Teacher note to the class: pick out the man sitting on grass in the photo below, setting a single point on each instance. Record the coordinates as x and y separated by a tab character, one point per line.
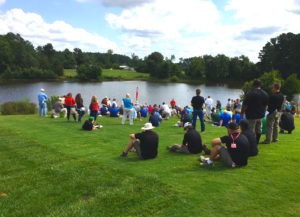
145	143
236	152
90	125
191	143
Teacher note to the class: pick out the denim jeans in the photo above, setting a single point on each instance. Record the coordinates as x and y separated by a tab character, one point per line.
80	114
198	113
43	109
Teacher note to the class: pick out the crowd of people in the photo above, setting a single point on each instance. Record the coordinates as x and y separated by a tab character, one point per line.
244	121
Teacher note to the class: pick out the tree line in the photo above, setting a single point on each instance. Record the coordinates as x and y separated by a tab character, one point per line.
20	60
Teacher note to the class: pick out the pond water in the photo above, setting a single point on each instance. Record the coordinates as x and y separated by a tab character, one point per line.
149	92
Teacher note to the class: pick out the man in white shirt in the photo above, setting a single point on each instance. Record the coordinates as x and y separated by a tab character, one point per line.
208	106
166	111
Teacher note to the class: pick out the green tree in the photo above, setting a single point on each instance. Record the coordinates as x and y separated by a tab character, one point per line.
86	72
196	68
291	86
154	63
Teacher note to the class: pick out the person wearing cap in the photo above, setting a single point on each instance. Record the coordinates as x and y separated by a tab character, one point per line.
236	150
192	142
42	97
254	106
128	109
145	143
90	125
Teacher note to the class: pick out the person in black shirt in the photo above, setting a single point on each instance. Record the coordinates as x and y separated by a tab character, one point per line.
253	150
236	152
197	103
274	109
90	125
254	105
191	143
145	143
287	122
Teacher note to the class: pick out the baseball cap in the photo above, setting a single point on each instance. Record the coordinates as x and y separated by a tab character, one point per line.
233	126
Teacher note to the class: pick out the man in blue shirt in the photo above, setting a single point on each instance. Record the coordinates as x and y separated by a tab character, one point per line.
225	118
42	97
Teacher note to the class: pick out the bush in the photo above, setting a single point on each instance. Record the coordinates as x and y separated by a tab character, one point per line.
18	108
51	101
86	72
174	78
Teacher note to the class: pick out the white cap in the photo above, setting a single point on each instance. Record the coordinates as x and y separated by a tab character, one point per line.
187	124
42	90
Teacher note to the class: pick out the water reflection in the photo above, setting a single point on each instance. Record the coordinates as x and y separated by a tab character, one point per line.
148	91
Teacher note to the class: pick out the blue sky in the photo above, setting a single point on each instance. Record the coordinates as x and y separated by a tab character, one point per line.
183	28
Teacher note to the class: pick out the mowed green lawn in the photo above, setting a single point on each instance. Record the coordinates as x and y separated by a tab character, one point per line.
114	74
50	167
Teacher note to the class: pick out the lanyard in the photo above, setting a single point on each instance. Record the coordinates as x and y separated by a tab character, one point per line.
233	139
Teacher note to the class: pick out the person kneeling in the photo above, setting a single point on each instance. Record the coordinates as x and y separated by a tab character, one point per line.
236	152
145	143
90	125
191	143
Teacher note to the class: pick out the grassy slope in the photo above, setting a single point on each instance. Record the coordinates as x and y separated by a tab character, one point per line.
108	74
52	168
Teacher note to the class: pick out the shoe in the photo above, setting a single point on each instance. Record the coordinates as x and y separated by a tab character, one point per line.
204	161
290	132
123	154
281	131
275	140
265	142
206	150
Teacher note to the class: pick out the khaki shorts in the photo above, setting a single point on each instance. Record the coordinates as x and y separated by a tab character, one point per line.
137	146
255	125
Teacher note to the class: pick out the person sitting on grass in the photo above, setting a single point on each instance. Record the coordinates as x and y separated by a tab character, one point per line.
287	122
104	110
144	111
215	117
253	150
90	125
225	118
113	111
58	107
155	118
145	143
192	142
236	152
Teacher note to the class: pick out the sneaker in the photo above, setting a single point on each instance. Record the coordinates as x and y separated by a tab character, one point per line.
206	150
123	154
205	161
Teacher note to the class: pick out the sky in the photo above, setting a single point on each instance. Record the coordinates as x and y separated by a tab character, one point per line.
172	27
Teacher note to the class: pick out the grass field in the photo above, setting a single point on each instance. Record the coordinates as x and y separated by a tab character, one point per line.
114	74
49	167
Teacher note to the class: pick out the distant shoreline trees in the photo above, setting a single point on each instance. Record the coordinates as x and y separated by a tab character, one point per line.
20	60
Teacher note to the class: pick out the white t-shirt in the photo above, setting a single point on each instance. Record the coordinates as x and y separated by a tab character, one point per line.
166	108
209	102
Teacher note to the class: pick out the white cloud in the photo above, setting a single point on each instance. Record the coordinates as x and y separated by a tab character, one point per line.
62	35
118	3
195	27
2	2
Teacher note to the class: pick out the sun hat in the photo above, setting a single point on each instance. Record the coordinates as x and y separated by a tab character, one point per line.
147	126
187	124
233	126
42	90
91	118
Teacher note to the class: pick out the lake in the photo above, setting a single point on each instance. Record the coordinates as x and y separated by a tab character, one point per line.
148	91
